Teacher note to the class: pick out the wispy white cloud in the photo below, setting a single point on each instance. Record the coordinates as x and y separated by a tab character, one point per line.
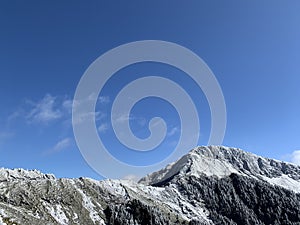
123	118
99	115
14	115
93	97
104	99
67	105
60	146
52	108
103	127
173	131
83	117
295	157
45	111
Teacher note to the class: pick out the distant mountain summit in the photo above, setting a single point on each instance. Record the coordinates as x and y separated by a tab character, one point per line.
209	185
220	162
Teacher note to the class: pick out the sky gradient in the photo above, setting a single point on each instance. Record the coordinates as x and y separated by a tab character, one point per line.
253	48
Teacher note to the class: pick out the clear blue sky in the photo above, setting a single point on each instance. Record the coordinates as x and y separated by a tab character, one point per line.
253	48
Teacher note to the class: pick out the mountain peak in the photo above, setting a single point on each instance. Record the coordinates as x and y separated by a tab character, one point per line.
210	185
221	161
22	174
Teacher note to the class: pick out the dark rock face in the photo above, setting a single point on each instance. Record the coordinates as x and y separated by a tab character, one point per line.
137	212
211	185
240	200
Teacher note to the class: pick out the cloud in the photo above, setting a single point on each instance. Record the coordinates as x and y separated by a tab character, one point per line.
173	131
104	99
295	157
88	116
122	118
67	105
93	97
48	109
15	115
60	145
103	128
45	111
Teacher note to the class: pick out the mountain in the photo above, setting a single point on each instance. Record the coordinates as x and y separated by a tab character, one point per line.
209	185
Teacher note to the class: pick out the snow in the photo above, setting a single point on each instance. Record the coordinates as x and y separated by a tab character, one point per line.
8	174
115	186
164	197
187	207
57	213
193	164
36	215
1	221
75	216
210	166
222	161
88	204
285	182
2	214
214	161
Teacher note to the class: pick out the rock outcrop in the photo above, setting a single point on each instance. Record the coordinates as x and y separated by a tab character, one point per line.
210	185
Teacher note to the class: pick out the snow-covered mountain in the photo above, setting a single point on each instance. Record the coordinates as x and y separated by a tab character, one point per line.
210	185
220	161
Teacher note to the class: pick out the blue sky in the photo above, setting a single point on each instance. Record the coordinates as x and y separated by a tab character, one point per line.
253	48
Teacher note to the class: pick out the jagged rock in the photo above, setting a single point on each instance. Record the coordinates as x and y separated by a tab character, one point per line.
210	185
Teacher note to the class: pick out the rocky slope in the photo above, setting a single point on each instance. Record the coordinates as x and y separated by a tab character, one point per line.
210	185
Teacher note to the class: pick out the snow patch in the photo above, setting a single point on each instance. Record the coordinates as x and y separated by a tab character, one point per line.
1	221
21	174
75	216
210	166
285	182
159	197
115	187
57	213
222	161
88	204
2	214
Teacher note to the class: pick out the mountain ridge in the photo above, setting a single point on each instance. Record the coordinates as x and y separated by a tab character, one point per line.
210	185
222	161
